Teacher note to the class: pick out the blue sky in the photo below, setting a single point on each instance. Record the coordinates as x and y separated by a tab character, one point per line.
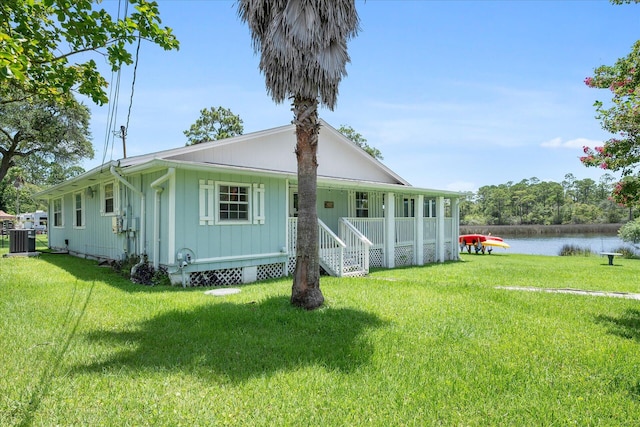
456	94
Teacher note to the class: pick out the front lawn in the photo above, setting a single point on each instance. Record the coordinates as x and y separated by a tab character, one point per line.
435	345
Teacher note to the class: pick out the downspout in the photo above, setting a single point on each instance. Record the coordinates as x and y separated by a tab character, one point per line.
156	214
143	247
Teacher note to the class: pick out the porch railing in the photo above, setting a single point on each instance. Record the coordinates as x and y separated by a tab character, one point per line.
349	257
405	230
372	228
356	260
331	249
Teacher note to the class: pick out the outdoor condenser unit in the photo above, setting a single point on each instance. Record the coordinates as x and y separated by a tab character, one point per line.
22	241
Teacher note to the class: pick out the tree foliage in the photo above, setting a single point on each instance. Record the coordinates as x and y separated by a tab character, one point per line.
360	141
531	201
303	56
214	124
40	38
44	138
630	232
620	117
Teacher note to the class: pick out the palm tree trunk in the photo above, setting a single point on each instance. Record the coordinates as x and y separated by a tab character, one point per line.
306	279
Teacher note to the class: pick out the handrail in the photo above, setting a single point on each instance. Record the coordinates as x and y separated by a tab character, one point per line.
338	240
357	232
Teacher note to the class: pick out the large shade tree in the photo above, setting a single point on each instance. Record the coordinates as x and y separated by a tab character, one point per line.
43	137
48	47
303	56
620	117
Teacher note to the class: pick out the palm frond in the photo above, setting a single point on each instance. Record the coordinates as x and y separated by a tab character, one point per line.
303	44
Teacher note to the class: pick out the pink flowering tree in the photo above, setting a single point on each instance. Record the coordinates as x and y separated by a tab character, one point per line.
620	117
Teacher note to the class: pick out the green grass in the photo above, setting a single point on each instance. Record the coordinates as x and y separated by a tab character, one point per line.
436	345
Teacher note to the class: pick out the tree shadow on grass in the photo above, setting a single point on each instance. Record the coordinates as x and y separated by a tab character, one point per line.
90	271
625	326
242	341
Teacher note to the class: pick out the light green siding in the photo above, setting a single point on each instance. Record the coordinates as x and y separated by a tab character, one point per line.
331	215
95	238
232	241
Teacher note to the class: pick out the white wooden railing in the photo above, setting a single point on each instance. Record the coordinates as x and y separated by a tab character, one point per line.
348	253
337	257
429	230
405	230
357	249
331	249
371	228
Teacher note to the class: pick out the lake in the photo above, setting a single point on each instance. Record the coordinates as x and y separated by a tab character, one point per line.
551	245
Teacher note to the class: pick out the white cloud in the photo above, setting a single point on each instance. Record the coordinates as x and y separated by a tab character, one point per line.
572	143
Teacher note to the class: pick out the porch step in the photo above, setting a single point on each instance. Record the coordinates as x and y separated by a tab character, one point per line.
351	266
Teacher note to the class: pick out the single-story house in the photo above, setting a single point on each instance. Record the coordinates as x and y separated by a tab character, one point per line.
224	212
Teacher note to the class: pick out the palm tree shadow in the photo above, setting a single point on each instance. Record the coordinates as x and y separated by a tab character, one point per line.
242	341
625	326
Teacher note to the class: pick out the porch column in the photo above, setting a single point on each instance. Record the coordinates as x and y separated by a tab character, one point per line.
419	238
440	229
287	232
390	231
455	228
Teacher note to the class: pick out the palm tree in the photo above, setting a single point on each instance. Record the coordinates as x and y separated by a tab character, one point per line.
303	56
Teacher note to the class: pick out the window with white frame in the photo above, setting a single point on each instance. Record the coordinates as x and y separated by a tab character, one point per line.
409	207
78	210
429	208
231	203
58	213
362	204
109	198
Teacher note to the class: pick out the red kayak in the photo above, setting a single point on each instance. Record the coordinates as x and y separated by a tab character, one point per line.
470	239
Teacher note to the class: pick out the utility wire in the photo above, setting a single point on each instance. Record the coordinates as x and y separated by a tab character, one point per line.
133	82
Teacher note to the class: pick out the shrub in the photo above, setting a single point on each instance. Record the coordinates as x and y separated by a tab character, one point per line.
574	250
630	232
144	274
626	252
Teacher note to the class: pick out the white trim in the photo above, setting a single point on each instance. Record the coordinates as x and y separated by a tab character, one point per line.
390	230
217	219
258	204
116	198
82	210
172	218
419	233
335	183
440	252
53	220
206	202
239	257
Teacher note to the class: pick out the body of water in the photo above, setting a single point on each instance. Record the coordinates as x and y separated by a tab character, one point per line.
551	245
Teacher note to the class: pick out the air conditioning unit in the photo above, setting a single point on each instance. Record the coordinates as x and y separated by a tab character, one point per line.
21	241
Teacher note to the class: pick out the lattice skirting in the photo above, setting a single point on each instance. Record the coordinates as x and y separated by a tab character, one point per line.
448	254
404	255
229	276
234	276
429	253
270	271
376	257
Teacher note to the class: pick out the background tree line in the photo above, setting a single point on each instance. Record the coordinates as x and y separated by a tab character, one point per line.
536	202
